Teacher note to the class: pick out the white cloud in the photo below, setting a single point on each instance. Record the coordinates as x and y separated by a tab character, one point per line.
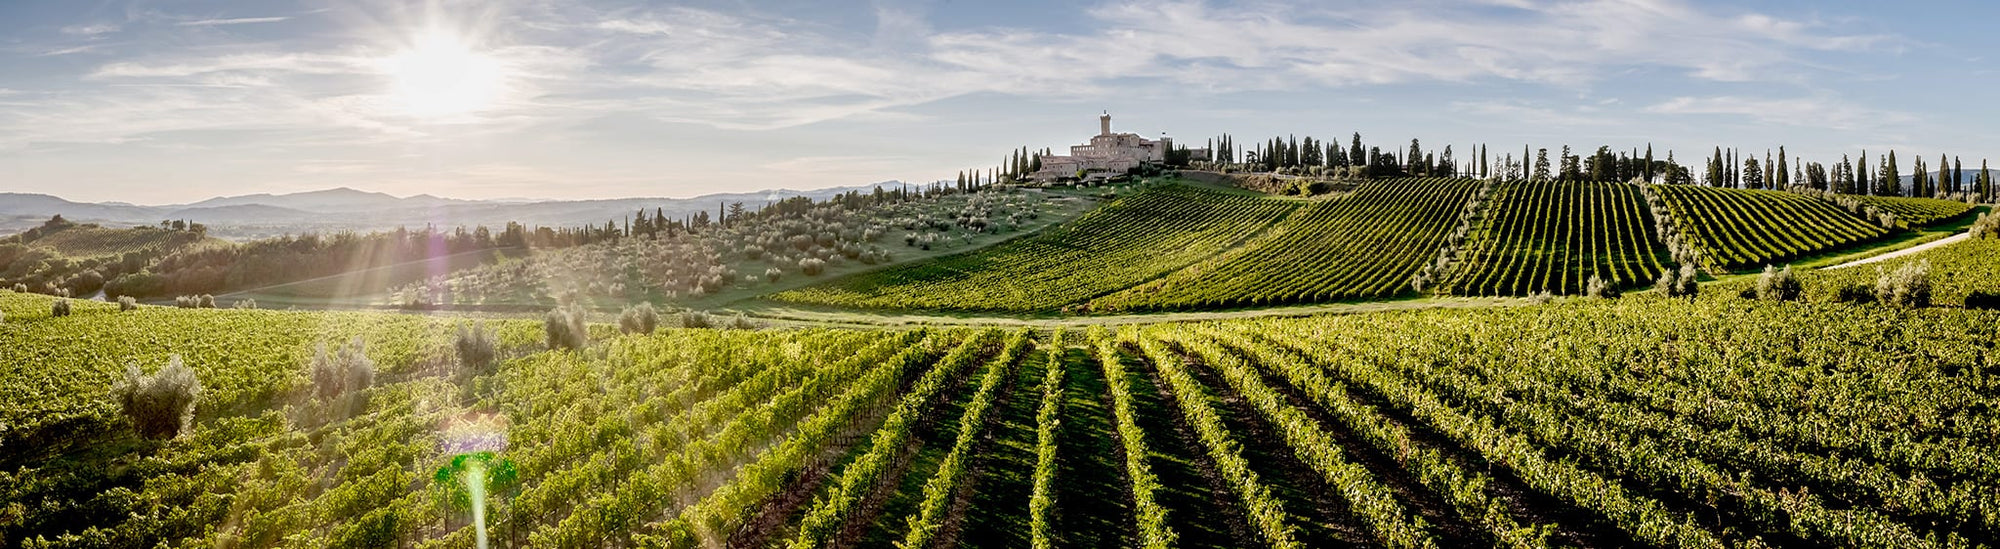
737	71
302	63
1813	111
91	29
69	50
1521	112
747	71
235	21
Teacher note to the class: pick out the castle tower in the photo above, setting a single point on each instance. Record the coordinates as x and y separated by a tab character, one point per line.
1104	124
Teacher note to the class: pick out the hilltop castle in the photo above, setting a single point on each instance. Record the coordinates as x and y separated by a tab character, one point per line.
1106	153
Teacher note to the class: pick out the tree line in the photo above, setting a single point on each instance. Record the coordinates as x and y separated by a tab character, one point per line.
1731	168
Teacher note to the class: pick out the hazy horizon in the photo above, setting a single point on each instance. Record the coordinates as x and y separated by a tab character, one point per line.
175	102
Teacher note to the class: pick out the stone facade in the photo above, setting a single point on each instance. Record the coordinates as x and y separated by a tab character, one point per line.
1106	153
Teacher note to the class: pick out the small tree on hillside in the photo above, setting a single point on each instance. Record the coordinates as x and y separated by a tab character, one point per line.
1907	286
639	319
341	378
565	328
476	351
161	405
1598	287
1778	284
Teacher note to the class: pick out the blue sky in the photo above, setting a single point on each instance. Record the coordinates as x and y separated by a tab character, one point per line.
174	101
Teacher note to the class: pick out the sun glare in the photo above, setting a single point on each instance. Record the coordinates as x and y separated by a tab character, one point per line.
440	75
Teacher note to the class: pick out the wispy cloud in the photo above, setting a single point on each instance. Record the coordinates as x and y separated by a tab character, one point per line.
1523	112
766	73
69	50
574	65
234	21
1812	111
304	63
91	29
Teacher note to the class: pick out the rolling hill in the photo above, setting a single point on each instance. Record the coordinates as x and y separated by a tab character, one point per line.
1178	247
345	209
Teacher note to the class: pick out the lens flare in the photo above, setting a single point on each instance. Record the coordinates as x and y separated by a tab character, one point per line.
440	74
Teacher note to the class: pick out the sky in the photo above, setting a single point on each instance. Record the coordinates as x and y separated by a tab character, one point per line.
159	102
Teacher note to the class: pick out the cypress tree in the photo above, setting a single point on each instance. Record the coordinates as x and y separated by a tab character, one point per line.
1985	182
1957	176
1485	170
1785	175
1936	182
1647	170
1865	184
1892	177
1734	181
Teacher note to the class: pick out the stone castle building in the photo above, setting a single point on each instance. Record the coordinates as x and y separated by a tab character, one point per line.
1106	153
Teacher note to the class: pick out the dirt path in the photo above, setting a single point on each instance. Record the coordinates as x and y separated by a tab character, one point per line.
1946	241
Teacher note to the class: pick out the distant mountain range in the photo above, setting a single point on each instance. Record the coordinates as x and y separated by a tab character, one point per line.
262	215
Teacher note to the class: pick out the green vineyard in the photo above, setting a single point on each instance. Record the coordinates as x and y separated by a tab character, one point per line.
1119	245
1738	229
1915	212
1554	236
1608	423
1362	245
1176	247
1954	272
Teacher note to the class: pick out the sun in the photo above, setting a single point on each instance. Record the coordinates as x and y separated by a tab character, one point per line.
439	75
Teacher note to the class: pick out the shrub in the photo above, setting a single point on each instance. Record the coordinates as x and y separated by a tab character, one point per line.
245	304
1778	284
1980	299
160	406
741	322
127	303
640	319
1988	225
60	308
1858	293
1542	298
1600	288
1687	283
346	371
20	288
476	351
772	274
205	302
696	319
812	266
565	328
1907	286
